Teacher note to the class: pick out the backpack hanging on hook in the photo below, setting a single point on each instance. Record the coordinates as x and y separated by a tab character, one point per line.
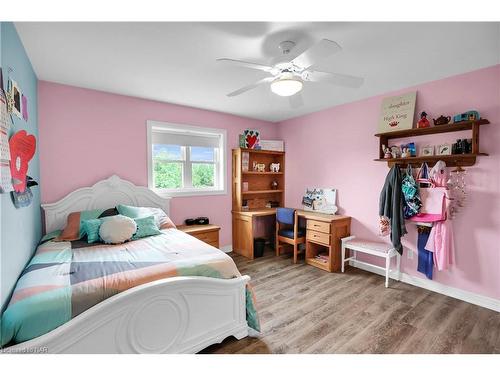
433	198
410	191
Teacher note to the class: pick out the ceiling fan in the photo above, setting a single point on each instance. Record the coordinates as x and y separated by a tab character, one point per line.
288	77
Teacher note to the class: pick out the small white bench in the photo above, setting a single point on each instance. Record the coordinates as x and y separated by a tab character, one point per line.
378	249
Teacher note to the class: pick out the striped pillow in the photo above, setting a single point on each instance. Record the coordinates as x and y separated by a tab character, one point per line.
91	229
74	229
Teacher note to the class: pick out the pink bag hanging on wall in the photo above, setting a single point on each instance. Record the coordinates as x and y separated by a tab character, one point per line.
433	205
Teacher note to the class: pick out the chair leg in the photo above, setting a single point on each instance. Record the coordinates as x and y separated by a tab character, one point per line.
387	267
295	252
277	244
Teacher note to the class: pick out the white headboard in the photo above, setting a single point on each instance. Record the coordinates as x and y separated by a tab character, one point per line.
104	194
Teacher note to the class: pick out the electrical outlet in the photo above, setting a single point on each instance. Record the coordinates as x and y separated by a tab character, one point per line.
410	254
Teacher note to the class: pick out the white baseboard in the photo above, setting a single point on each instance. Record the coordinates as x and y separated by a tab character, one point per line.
476	299
227	248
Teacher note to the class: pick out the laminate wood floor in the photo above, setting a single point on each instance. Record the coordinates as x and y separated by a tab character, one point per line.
306	310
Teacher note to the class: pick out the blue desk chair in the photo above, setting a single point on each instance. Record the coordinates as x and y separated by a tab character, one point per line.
288	231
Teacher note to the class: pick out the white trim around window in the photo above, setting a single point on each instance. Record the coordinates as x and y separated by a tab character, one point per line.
187	135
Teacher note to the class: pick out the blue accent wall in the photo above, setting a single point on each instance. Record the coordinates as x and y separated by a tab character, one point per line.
20	229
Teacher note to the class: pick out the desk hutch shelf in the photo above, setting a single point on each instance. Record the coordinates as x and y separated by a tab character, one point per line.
250	204
463	160
259	191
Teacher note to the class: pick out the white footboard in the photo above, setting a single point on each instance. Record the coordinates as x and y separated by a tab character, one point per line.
175	315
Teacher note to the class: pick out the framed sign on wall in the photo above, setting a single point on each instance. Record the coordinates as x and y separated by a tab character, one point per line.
397	113
321	200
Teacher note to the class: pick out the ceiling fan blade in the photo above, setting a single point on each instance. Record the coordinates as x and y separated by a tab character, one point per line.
246	64
250	87
335	79
296	100
317	52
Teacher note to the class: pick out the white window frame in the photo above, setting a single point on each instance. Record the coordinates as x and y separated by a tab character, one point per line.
220	165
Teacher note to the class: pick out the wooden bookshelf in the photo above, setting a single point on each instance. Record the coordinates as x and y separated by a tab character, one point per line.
259	193
463	160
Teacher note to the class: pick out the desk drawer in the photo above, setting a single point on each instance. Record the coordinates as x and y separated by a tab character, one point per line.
318	237
319	226
212	236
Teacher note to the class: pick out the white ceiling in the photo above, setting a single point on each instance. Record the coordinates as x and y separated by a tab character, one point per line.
175	62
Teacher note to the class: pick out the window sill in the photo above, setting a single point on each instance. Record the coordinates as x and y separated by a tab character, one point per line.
187	193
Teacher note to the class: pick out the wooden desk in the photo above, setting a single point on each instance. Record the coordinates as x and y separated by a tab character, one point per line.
243	229
323	235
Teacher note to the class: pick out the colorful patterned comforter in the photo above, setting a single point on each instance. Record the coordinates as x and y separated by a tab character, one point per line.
64	279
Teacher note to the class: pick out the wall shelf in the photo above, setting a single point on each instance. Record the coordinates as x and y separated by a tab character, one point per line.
437	129
463	160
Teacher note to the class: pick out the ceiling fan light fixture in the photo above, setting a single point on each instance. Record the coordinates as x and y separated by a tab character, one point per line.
286	86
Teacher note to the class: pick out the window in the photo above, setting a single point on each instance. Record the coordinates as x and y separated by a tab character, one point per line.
186	160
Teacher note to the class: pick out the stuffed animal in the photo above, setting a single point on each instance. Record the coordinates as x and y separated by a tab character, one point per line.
259	167
274	167
387	152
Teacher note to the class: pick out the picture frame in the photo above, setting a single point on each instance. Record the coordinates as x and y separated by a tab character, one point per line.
444	149
395	151
427	151
397	112
320	200
17	99
252	138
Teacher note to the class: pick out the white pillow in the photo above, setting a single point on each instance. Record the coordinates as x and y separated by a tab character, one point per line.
117	229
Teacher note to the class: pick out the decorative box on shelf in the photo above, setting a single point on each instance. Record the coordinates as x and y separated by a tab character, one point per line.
272	145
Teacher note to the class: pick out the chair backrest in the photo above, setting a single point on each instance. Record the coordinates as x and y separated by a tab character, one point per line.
285	215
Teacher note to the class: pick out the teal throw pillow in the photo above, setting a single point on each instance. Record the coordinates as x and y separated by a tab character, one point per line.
91	229
146	226
130	211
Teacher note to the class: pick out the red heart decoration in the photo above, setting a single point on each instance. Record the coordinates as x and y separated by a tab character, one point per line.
22	148
251	140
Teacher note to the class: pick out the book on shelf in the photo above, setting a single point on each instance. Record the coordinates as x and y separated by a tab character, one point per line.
324	258
245	161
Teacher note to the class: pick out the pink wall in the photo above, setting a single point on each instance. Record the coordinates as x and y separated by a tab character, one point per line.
87	135
336	148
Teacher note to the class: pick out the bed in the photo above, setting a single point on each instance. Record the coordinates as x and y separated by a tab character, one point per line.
168	314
